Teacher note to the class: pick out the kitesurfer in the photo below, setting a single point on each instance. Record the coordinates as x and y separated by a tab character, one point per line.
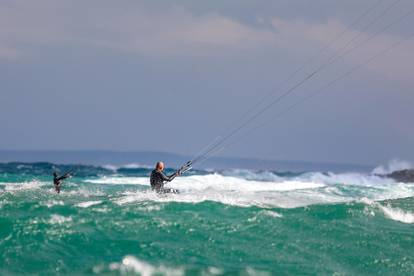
57	180
158	178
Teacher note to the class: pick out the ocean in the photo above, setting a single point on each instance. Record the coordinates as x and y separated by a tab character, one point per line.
107	221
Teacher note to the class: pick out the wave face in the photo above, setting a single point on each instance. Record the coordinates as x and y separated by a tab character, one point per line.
107	220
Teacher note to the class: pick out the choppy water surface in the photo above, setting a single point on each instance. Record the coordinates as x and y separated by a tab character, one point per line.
107	221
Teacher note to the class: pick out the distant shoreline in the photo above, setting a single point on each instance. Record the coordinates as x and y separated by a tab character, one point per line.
148	158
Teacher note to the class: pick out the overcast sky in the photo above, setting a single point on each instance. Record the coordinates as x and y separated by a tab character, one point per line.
173	75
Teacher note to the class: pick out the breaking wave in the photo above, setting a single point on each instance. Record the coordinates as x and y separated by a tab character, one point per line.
390	212
237	187
393	165
265	189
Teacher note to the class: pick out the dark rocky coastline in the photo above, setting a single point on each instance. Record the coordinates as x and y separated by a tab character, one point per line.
406	176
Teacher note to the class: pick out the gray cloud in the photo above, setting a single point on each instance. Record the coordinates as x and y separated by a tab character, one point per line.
177	31
173	32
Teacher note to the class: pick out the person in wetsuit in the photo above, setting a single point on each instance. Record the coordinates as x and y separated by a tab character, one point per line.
158	178
57	180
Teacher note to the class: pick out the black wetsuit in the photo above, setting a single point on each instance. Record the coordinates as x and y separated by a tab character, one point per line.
57	180
157	181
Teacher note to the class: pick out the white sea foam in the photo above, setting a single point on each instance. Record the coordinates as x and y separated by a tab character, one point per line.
270	214
119	180
214	181
242	188
289	199
355	179
135	166
397	214
126	166
390	212
110	167
213	271
58	219
130	264
265	213
30	185
219	188
87	204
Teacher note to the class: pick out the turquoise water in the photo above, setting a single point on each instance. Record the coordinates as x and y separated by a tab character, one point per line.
237	222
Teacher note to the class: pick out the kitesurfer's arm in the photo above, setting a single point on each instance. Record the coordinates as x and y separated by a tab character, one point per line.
177	173
168	178
66	175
